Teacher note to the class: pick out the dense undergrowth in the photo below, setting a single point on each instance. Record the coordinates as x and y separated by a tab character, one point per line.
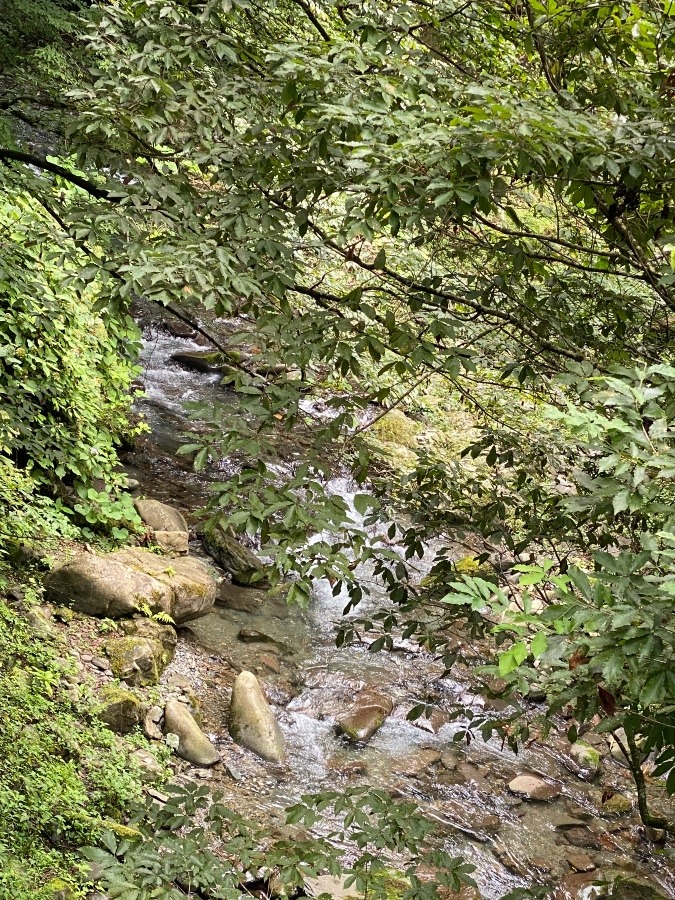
63	772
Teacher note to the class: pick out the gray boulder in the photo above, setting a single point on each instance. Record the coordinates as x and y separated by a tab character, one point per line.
242	564
367	716
168	528
160	517
193	744
104	586
251	720
121	583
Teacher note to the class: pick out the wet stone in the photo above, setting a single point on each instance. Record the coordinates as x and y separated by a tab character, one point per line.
582	837
367	716
580	862
415	764
533	788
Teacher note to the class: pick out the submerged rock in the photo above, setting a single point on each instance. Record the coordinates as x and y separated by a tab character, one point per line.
251	720
242	564
417	762
368	715
533	788
583	837
121	583
193	744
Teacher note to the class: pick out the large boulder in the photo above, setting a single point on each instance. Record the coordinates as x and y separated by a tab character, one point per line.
193	744
193	587
121	583
104	586
242	564
251	720
366	717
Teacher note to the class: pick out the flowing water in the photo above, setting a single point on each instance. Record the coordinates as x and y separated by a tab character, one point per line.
311	682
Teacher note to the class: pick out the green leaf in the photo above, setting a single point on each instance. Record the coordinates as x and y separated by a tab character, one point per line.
539	644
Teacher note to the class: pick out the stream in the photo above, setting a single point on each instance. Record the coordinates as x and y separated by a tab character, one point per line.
310	682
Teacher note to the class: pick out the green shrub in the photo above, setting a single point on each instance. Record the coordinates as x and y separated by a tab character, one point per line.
62	773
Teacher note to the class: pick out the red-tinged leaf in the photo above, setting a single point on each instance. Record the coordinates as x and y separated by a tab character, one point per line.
607	701
578	658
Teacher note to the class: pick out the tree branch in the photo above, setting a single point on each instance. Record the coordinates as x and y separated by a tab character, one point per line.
39	162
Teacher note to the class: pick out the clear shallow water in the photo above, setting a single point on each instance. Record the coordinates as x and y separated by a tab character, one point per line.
317	682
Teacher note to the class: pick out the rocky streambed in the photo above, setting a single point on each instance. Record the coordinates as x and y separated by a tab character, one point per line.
547	815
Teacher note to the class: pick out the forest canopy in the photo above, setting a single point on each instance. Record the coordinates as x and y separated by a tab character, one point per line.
421	206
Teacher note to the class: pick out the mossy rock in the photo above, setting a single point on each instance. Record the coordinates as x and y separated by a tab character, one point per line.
626	887
137	660
396	428
199	360
124	832
617	805
469	565
242	564
58	889
585	756
121	710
